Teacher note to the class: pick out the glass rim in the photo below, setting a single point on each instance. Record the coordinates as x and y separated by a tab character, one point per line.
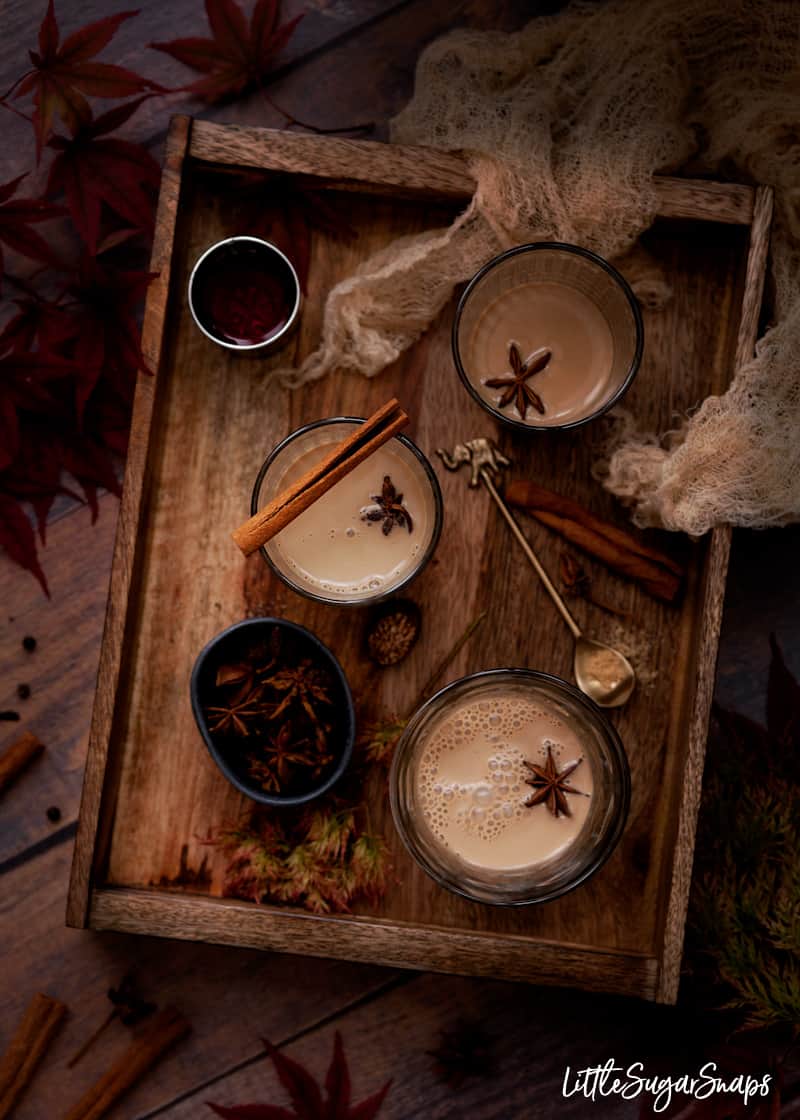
292	272
438	520
617	755
625	288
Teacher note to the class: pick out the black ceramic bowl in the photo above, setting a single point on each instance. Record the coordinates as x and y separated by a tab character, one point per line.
229	756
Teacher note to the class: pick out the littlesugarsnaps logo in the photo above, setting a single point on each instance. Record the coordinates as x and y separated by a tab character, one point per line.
610	1080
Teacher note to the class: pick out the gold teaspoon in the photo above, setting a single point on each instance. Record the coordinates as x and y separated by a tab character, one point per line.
601	672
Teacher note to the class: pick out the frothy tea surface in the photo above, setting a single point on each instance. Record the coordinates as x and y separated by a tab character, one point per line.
540	317
333	550
470	782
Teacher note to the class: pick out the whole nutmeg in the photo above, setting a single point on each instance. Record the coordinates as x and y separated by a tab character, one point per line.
392	631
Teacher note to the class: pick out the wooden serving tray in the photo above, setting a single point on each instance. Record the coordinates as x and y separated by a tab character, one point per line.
202	426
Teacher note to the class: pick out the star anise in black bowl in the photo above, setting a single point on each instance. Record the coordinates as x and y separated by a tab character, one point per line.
275	710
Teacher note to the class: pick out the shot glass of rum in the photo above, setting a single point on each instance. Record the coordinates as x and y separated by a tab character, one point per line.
244	295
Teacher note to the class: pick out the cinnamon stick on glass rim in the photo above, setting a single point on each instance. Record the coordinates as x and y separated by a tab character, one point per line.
358	446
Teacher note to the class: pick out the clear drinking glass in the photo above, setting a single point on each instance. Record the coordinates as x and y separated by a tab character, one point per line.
275	473
544	880
552	267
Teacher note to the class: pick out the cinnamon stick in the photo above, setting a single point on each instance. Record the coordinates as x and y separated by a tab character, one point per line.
19	755
27	1047
624	553
168	1027
358	446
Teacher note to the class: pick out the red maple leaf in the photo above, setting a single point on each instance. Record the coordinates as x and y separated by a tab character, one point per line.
93	172
103	336
238	56
37	318
16	217
35	475
306	1095
18	540
64	72
23	387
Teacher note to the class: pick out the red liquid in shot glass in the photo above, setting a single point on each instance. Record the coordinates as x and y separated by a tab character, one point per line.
244	294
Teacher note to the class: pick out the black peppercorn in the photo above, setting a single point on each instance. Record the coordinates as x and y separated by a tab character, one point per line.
54	814
29	643
23	691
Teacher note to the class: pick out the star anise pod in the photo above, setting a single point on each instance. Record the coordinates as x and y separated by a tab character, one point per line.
237	679
578	582
303	684
551	786
274	769
464	1051
515	383
234	715
127	1005
388	507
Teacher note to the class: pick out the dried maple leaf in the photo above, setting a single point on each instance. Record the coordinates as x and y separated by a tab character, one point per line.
238	56
93	170
17	215
306	1095
65	73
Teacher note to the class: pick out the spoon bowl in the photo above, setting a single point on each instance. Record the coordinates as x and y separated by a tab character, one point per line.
603	673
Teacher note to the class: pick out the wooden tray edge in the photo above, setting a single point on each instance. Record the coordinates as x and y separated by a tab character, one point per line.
425	171
111	648
386	943
717	569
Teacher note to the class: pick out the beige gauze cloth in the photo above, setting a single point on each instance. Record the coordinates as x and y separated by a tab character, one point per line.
564	124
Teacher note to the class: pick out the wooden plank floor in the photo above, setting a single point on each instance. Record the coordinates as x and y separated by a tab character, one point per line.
350	60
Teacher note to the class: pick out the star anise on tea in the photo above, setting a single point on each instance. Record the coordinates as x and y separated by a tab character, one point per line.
388	507
515	383
303	684
550	785
274	766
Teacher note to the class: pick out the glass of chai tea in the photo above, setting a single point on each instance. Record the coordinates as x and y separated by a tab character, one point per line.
369	535
510	787
547	335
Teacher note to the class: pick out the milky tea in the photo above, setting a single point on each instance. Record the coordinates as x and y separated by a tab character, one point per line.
338	549
471	789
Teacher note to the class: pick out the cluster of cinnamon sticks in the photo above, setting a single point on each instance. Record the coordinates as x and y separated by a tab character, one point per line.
358	446
27	1048
38	1029
620	551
